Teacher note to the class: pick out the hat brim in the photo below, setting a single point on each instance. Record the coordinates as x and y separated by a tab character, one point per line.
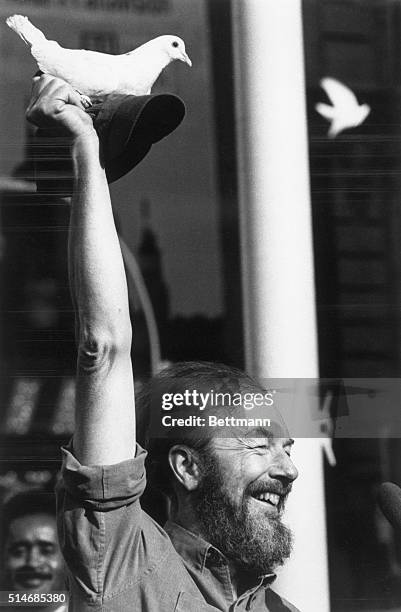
129	125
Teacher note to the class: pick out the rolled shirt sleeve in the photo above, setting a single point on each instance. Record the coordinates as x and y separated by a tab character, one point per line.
107	487
100	525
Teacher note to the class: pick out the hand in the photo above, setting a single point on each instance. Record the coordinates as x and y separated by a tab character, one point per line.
55	104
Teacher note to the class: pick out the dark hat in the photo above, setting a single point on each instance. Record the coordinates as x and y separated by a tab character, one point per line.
127	127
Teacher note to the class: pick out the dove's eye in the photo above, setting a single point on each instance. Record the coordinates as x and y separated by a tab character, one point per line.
175	44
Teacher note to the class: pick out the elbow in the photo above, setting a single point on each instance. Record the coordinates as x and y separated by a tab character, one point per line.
99	350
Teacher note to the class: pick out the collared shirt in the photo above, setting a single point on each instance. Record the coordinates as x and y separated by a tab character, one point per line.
121	560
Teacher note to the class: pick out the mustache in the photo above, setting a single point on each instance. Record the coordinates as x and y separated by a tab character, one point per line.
27	572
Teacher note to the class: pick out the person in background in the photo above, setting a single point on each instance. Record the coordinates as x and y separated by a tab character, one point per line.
32	563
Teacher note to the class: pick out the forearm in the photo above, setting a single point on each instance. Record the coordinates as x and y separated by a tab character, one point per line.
104	413
96	267
105	424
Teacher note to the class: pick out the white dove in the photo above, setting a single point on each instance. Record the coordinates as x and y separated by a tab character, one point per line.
346	112
96	75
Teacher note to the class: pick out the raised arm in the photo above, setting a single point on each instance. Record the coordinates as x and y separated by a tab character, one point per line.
105	415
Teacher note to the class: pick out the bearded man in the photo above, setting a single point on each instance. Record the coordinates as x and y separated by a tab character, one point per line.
225	535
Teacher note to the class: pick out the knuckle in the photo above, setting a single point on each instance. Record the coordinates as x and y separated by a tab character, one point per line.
47	78
36	114
31	113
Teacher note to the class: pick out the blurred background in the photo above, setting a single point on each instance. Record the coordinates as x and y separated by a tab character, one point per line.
178	213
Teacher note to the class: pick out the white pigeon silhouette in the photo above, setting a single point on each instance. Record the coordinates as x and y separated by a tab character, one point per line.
346	112
96	75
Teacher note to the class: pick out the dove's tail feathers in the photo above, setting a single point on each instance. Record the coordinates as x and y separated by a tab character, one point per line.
25	29
333	131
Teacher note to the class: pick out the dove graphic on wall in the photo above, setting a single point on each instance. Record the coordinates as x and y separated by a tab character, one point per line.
345	112
96	75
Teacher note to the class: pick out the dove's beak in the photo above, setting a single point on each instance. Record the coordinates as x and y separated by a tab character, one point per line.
186	59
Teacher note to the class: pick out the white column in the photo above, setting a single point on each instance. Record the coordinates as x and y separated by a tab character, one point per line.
277	256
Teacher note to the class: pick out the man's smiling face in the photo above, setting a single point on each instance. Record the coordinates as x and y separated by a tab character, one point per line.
241	498
33	560
257	471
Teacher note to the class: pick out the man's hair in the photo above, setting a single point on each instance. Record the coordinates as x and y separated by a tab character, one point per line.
177	378
25	504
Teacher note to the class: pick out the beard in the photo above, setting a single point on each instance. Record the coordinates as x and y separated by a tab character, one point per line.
256	543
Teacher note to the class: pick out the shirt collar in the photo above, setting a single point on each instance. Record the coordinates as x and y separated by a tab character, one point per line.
199	553
191	547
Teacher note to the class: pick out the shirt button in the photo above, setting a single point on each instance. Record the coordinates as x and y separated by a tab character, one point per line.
214	556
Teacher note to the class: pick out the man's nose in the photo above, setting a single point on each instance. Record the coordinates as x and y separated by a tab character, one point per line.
33	558
282	468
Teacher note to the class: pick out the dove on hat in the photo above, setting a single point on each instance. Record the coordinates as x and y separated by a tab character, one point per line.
345	112
94	74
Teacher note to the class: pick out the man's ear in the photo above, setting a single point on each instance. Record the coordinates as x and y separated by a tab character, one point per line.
183	462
